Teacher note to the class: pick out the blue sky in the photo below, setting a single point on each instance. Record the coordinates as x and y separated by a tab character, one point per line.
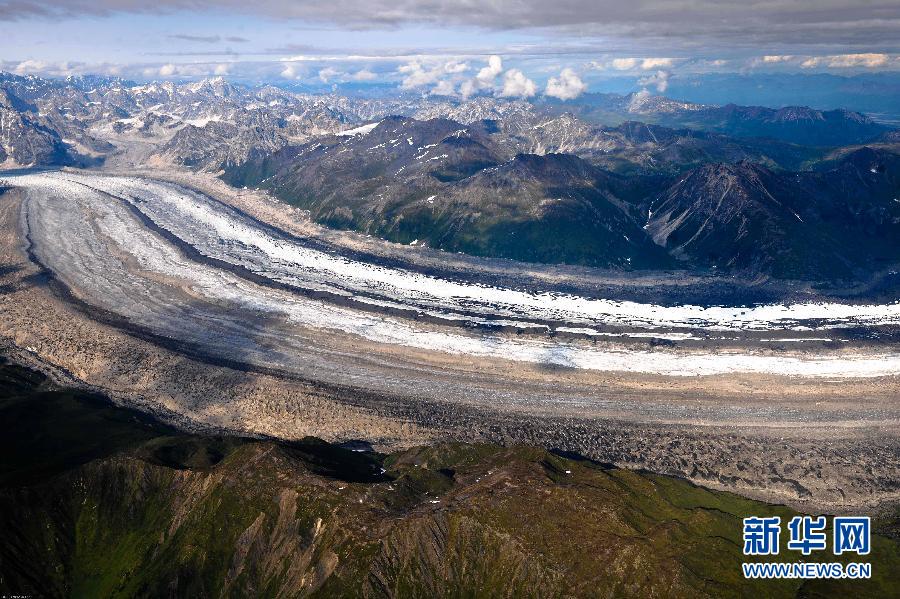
445	45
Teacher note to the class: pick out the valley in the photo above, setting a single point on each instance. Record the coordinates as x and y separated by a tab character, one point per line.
656	298
449	299
396	348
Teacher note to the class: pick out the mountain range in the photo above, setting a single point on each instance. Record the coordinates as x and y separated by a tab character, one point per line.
26	138
461	188
93	114
616	181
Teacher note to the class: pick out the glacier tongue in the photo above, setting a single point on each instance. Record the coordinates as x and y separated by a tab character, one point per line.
85	230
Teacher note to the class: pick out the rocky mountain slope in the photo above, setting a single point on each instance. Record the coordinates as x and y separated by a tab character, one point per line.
451	186
462	188
25	138
221	122
639	148
144	510
839	223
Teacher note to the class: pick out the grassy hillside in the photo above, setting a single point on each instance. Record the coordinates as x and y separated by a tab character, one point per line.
149	511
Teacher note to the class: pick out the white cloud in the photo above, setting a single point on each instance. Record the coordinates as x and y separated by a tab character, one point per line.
193	70
638	99
444	88
485	79
660	80
328	73
567	86
363	75
517	85
65	68
30	66
649	64
858	60
416	74
645	64
291	71
454	67
842	61
488	74
624	64
467	88
776	58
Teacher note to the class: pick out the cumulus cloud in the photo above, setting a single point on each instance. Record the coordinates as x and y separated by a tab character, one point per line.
485	79
858	60
517	85
639	98
291	71
417	74
567	86
30	66
454	67
59	69
328	73
660	80
649	64
624	64
188	71
444	88
467	88
449	78
363	75
488	74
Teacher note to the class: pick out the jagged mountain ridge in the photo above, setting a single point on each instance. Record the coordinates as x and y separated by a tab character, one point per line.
450	186
457	188
840	223
25	138
634	147
96	115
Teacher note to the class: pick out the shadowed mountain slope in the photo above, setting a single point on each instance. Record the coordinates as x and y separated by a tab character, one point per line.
839	223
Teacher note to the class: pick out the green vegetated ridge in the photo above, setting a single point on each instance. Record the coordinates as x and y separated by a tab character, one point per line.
99	501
